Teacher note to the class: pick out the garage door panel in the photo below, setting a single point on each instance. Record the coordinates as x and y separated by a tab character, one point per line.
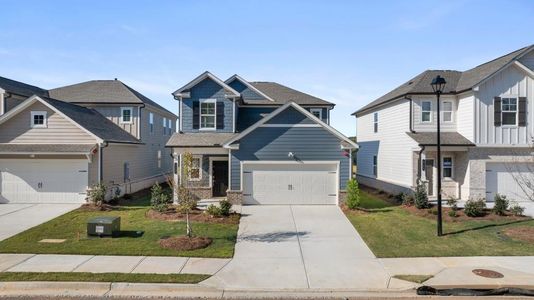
507	178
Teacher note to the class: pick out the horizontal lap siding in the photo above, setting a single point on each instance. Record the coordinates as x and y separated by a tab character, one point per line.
113	113
307	144
250	115
245	92
207	89
290	116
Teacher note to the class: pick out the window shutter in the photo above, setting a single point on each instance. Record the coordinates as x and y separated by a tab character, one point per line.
196	114
522	111
220	115
497	111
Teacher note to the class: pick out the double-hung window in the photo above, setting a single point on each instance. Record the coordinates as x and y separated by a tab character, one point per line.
446	112
195	172
447	167
208	112
38	119
509	111
164	123
169	126
318	112
426	111
375	122
375	165
126	115
151	122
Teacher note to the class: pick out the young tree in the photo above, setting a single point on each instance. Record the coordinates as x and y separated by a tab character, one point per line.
353	194
187	202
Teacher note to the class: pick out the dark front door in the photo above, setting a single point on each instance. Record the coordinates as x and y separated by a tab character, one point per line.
429	172
220	178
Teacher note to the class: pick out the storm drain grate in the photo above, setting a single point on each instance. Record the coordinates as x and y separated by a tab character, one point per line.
487	273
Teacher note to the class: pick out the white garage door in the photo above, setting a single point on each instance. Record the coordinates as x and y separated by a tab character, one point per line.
43	180
507	179
290	183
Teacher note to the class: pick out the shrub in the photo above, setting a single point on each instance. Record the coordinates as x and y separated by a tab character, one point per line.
501	205
453	214
225	206
214	210
475	208
158	199
452	203
97	194
408	200
353	194
433	211
421	196
516	209
127	196
399	197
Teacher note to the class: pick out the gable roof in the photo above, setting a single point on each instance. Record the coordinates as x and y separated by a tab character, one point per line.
201	77
250	86
102	91
20	88
457	81
85	118
346	142
198	139
282	94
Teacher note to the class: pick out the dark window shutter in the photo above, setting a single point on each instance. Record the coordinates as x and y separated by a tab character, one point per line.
522	111
196	114
220	115
497	111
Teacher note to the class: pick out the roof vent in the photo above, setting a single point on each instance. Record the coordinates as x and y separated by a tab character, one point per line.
115	78
410	82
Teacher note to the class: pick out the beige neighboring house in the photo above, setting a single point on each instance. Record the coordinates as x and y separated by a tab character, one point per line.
54	144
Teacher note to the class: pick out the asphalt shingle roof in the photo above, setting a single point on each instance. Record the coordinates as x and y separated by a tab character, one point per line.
200	139
20	88
102	91
46	148
282	94
446	139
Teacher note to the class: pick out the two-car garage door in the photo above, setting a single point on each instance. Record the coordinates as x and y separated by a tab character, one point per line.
290	183
43	180
507	179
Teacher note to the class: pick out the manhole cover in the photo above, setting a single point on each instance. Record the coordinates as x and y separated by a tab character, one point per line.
487	273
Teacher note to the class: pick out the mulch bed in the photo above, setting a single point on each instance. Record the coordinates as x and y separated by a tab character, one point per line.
103	207
522	233
460	215
184	243
379	194
196	216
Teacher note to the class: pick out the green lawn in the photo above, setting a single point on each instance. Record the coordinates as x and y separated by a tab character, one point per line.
72	227
394	232
103	277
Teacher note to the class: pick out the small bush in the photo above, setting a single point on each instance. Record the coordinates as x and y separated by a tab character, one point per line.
214	210
516	209
97	194
399	197
225	206
421	196
433	211
353	194
475	208
408	200
453	214
159	200
452	203
501	205
127	196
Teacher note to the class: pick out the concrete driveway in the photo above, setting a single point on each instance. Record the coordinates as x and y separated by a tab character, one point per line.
16	218
299	247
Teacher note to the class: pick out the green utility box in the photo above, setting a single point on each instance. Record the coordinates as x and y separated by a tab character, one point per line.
104	226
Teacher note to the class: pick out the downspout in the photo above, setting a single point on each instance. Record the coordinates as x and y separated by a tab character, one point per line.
179	99
139	119
420	163
2	104
411	114
100	159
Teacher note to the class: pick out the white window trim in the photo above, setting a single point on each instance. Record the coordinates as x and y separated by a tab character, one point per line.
516	97
151	122
164	123
375	122
122	115
159	158
451	167
169	126
214	114
444	111
199	157
319	110
423	111
45	119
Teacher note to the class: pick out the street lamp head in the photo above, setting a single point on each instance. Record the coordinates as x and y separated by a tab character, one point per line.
438	84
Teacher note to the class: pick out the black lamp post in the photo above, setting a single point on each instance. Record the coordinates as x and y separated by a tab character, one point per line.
438	84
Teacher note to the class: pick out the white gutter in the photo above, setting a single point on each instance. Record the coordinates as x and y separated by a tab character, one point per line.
2	99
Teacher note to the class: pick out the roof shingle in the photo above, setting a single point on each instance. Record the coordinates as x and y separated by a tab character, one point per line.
282	94
446	139
200	139
20	88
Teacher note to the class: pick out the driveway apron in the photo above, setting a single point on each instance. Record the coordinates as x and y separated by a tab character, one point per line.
299	247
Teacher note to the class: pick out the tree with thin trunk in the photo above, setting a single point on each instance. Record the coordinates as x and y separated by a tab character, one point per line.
187	202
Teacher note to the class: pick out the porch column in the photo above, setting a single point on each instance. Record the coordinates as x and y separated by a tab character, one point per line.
177	170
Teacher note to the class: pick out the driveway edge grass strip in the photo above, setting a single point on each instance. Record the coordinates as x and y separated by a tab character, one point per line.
103	277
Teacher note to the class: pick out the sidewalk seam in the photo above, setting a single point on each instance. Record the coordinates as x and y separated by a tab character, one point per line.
12	212
183	266
83	262
222	267
138	263
26	259
300	246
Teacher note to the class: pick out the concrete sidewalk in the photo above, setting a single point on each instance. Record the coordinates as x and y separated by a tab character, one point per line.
110	264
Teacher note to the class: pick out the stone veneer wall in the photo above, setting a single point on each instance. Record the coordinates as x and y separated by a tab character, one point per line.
201	192
234	197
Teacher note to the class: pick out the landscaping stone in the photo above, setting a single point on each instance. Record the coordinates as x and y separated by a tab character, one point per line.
208	266
50	263
110	264
9	260
161	265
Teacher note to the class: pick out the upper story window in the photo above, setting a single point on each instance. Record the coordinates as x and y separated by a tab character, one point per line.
446	112
196	169
447	167
38	119
509	111
318	112
126	115
426	111
208	112
151	122
164	123
375	122
169	125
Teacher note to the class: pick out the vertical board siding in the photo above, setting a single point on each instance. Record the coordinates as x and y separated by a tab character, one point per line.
307	143
512	82
465	116
207	89
113	113
58	130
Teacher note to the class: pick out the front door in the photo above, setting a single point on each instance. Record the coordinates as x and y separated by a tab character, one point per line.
220	178
429	174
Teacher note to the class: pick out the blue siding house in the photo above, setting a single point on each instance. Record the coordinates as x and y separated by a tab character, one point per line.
259	143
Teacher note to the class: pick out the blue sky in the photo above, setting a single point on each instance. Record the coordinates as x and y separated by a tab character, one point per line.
347	52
